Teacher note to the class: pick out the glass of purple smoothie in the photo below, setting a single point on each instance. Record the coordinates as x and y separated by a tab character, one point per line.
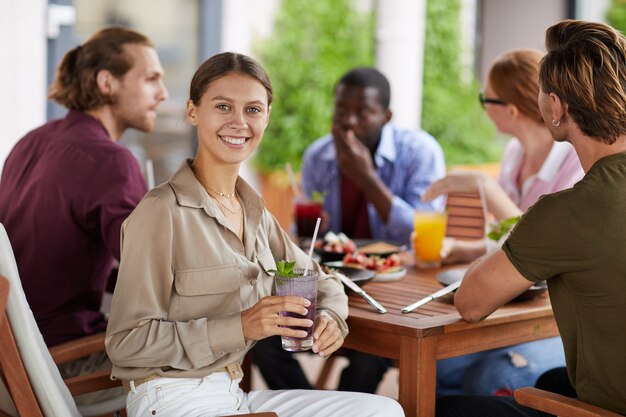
302	286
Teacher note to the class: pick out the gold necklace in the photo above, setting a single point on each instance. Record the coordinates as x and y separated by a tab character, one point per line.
222	194
240	228
225	207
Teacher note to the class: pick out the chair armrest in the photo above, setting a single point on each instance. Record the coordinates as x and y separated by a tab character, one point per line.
558	405
94	381
79	348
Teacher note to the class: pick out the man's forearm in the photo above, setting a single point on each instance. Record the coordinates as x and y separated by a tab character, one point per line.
377	193
489	283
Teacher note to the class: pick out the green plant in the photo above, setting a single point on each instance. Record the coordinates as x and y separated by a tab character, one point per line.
285	269
502	227
616	15
451	112
313	44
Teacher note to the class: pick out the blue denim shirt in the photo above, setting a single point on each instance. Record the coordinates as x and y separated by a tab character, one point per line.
406	161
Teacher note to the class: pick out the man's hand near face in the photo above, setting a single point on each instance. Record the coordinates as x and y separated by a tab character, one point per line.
353	157
355	163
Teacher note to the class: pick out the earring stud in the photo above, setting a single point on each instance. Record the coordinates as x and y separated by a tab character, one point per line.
556	123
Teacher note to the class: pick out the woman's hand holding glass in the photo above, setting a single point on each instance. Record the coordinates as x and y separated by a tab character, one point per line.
327	335
263	319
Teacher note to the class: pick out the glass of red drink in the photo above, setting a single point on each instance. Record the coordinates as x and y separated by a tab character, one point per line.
301	286
306	213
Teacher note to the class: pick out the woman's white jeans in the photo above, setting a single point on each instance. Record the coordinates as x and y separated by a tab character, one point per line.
218	395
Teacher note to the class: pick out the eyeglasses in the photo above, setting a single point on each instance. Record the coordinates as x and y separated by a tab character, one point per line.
482	99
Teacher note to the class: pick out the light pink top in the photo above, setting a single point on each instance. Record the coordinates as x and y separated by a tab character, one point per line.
560	170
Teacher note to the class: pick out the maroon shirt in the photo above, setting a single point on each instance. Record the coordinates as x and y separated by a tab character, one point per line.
354	218
66	189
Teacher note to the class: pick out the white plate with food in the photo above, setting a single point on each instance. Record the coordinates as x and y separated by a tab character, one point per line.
333	247
387	268
391	275
381	248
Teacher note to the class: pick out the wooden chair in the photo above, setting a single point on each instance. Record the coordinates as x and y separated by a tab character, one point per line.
15	375
466	219
12	372
559	405
54	396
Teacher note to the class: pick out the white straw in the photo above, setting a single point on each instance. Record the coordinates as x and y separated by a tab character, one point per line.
308	261
483	201
150	174
292	180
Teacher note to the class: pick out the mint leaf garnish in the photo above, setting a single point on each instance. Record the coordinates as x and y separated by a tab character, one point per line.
285	269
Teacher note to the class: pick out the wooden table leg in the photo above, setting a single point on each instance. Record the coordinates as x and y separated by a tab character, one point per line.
418	373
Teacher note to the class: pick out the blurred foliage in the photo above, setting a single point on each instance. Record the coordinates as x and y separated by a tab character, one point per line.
450	109
616	15
314	43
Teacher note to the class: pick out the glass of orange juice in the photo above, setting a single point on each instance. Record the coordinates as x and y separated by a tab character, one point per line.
430	228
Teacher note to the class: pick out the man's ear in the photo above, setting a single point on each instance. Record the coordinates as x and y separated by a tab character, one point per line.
388	115
559	108
107	83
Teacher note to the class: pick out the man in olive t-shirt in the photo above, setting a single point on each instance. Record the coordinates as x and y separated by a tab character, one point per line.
574	239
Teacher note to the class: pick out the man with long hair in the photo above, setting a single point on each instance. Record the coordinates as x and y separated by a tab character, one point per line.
67	186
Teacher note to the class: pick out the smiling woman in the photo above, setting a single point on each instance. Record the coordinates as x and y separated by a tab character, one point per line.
231	118
198	252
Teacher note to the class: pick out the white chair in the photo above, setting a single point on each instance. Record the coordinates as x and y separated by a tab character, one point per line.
54	397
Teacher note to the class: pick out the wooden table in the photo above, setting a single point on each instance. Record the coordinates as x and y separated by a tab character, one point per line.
435	331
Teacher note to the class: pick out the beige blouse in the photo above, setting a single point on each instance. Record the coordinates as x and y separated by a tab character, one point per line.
184	279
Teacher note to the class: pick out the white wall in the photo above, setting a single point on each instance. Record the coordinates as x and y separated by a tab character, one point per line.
400	32
592	10
22	69
243	22
508	24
